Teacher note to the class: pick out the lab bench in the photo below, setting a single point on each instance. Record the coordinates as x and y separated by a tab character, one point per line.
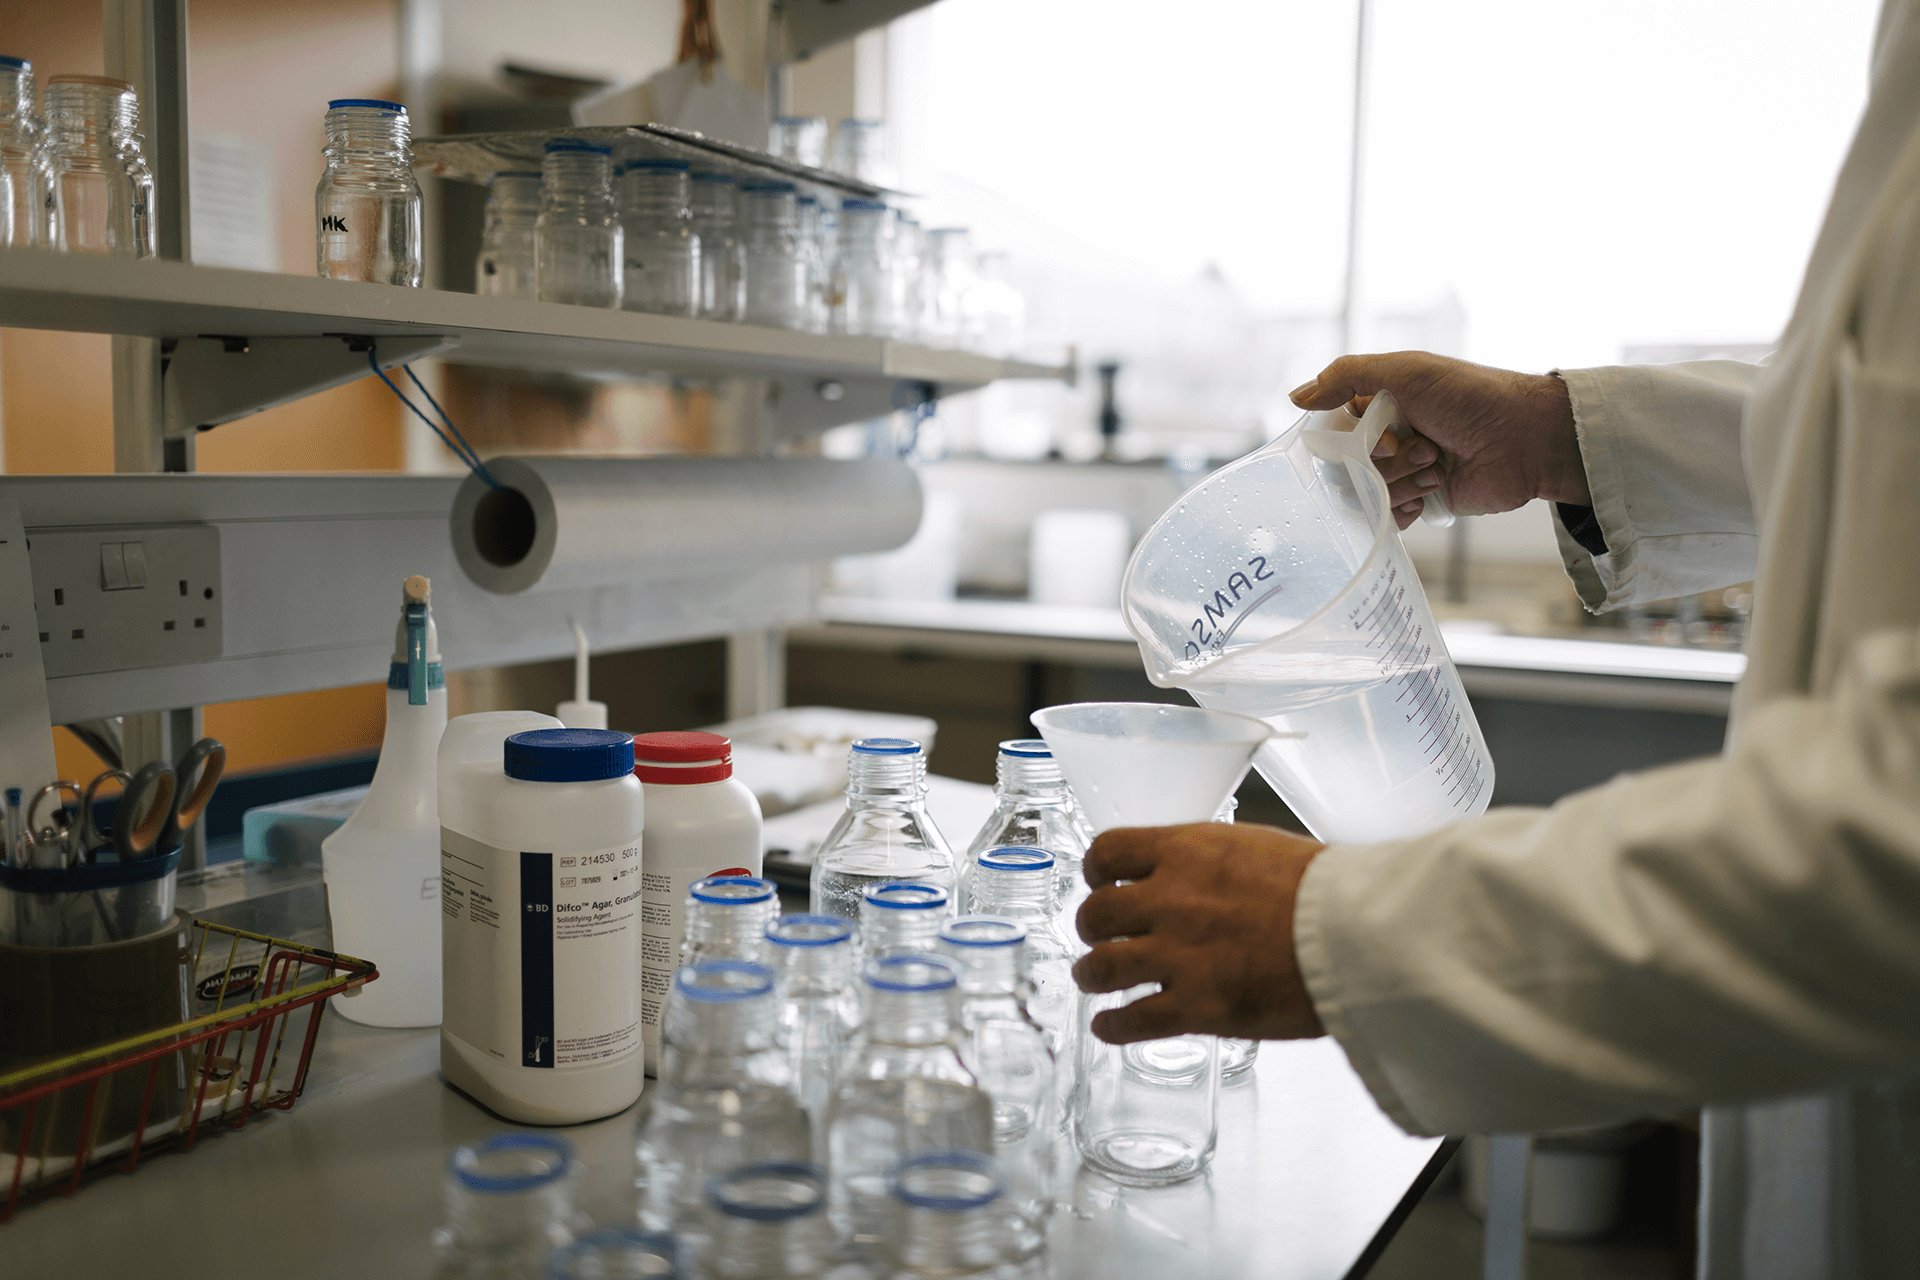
1310	1180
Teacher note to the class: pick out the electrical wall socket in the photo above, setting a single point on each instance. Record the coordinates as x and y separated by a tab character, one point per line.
121	598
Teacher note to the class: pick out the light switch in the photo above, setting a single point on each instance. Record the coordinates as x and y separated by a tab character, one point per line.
135	554
113	567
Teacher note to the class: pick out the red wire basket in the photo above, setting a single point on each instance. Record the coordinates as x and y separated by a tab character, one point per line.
68	1119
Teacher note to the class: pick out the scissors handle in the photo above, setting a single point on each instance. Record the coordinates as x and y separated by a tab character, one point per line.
195	777
144	812
91	836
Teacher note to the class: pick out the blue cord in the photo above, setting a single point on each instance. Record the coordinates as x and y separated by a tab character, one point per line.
463	451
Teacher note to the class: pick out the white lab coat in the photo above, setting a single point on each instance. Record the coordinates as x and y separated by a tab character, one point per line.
1738	933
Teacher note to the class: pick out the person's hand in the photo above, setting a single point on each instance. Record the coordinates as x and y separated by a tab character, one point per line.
1490	439
1207	912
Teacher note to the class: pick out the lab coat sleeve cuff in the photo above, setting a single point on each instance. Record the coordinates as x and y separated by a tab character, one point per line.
1315	920
1592	575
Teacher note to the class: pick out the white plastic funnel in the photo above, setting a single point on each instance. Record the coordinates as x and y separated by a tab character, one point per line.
1145	764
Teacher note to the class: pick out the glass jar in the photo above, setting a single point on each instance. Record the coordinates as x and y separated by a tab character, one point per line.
902	917
504	268
775	279
662	249
1143	1114
611	1254
727	918
860	151
577	241
813	257
367	206
102	189
1032	805
509	1204
715	221
1000	312
911	292
886	833
944	1217
819	1008
1017	883
951	274
906	1091
21	135
769	1223
862	293
724	1098
801	139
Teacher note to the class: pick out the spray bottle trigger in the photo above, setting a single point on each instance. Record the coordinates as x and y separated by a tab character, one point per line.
416	653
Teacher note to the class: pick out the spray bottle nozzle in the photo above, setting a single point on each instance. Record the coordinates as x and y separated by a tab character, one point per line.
581	712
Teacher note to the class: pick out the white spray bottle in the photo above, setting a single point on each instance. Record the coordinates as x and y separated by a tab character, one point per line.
382	866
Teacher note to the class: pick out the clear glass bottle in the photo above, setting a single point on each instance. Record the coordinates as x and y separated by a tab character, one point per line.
860	151
22	133
727	919
1237	1057
862	292
577	238
619	1255
716	222
911	291
945	1219
905	1091
886	833
775	273
101	187
814	957
662	248
769	1222
504	268
951	272
1143	1114
1017	883
902	917
1000	311
813	257
1011	1054
801	139
367	207
1033	806
725	1097
509	1204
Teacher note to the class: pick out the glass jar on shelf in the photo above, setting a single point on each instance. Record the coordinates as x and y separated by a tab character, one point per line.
367	206
662	249
814	257
577	238
1000	311
22	133
863	292
101	186
801	139
955	321
775	273
504	268
860	152
716	222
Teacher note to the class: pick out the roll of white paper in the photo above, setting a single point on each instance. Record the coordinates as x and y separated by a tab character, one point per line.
577	522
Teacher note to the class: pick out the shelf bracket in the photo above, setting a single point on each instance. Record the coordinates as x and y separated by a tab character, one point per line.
218	378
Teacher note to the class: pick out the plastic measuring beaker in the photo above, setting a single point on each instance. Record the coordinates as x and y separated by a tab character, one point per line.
1278	588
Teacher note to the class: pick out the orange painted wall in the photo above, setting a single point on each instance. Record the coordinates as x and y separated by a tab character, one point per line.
264	72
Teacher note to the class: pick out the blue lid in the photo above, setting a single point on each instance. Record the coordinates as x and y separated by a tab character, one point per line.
887	747
732	891
798	119
906	895
775	1191
378	104
1027	748
723	981
911	972
983	931
808	200
809	931
560	146
1017	857
949	1181
867	206
658	166
569	755
770	188
712	175
463	1163
516	173
21	63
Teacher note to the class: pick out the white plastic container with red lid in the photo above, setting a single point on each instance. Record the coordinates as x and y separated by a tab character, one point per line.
701	821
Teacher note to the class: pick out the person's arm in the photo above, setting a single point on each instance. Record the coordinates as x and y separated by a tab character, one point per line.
1643	463
1717	931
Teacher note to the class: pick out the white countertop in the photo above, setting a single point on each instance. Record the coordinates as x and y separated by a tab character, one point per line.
1469	645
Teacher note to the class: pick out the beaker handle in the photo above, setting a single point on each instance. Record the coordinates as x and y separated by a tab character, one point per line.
1383	416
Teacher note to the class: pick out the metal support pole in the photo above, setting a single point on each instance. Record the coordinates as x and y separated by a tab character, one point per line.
145	43
756	672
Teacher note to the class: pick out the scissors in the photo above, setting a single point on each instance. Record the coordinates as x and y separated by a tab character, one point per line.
156	803
58	835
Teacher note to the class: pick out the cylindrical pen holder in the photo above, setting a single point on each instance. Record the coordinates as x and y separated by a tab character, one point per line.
86	905
57	1001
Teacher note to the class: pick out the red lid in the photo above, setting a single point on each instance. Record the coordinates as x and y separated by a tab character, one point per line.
683	758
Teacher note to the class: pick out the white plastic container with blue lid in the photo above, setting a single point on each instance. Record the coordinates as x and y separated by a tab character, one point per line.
540	864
